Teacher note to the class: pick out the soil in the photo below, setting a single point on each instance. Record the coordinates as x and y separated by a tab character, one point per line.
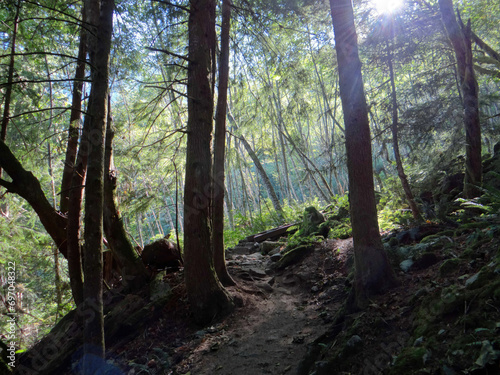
281	312
291	321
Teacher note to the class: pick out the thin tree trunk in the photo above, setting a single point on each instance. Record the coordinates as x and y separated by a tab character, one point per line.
395	141
262	173
461	40
220	150
10	78
74	120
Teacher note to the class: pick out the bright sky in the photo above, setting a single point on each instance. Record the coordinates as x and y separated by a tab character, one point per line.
387	6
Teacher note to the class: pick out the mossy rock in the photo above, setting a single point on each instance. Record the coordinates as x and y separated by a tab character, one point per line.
480	279
311	221
410	360
294	256
449	266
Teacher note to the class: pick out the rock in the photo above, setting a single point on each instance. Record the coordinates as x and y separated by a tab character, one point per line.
405	265
311	222
161	254
449	266
244	248
294	256
267	246
275	257
257	272
419	341
354	341
426	260
276	250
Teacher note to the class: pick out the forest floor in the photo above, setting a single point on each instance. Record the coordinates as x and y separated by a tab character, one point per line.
281	312
416	328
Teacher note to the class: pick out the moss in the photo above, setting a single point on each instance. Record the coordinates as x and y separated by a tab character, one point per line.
409	360
449	266
294	256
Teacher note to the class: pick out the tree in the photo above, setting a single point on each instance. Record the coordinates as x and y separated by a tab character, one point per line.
394	127
101	17
219	151
207	297
461	40
373	273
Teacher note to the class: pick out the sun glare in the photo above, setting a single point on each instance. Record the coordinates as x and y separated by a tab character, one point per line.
387	6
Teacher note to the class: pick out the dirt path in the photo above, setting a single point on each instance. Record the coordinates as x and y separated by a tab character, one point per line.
281	314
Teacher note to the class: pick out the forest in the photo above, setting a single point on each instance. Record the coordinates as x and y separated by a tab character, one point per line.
249	187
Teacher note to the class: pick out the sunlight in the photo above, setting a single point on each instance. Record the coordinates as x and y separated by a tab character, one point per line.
387	6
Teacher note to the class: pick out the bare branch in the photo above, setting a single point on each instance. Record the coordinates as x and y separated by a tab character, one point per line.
186	9
185	58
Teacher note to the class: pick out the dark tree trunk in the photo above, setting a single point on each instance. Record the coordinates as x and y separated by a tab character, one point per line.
373	273
461	40
26	185
94	186
207	297
10	76
219	151
74	120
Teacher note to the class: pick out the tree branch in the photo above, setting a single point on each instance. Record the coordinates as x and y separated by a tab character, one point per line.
186	9
185	58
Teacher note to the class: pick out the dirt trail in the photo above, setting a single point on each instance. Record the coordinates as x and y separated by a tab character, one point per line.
282	313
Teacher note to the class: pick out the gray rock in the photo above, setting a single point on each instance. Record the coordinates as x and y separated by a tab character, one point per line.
275	257
267	246
354	341
405	265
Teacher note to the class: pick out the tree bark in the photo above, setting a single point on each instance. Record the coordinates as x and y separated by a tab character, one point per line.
373	273
219	151
207	297
94	186
74	120
26	185
10	76
461	40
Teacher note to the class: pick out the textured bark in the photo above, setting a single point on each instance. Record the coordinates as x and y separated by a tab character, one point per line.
74	121
94	187
461	40
219	152
207	297
373	273
26	185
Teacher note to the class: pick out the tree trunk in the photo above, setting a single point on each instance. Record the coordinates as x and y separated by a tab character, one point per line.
134	273
219	151
26	185
373	273
461	40
94	187
395	141
207	297
10	76
263	175
74	120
